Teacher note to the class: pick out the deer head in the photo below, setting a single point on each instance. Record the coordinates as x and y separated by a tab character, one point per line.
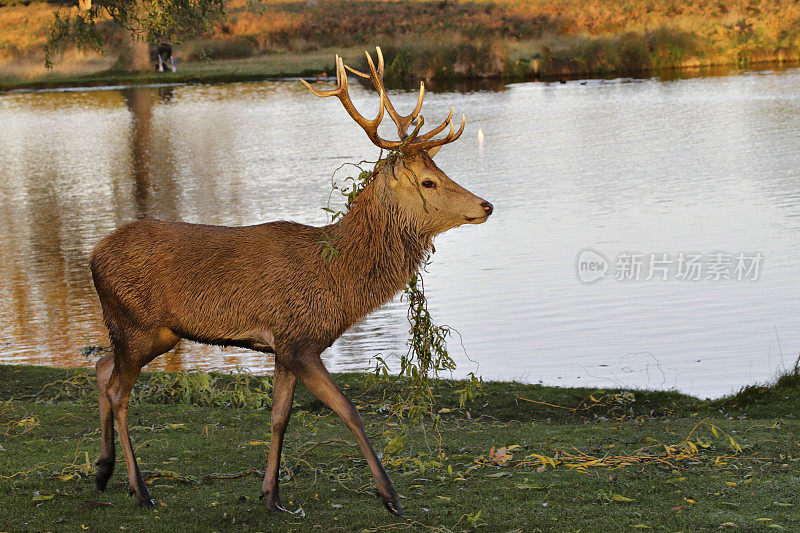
409	181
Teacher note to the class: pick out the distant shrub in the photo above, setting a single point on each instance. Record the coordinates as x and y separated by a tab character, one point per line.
634	53
429	59
670	47
238	48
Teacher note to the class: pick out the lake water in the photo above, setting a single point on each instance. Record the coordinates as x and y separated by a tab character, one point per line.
624	168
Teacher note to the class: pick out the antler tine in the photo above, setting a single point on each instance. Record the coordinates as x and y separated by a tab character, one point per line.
357	72
333	92
428	144
418	108
379	52
438	129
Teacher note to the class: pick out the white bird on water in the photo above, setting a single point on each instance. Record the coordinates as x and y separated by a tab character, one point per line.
481	136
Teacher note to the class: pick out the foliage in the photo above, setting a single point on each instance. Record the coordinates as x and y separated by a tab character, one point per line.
203	49
151	20
240	389
244	391
454	39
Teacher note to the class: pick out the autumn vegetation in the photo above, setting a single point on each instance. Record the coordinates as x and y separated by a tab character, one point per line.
518	39
516	457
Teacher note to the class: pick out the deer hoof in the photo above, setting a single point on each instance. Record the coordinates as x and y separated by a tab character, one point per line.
147	502
104	471
277	508
273	503
101	482
394	507
390	499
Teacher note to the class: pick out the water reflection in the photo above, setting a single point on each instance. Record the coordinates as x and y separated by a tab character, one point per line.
703	164
140	106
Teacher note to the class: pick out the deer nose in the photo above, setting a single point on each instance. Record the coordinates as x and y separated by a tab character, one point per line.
487	207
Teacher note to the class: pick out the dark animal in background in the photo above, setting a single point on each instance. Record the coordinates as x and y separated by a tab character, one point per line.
164	54
270	287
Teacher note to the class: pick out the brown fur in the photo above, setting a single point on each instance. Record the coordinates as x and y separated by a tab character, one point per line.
270	288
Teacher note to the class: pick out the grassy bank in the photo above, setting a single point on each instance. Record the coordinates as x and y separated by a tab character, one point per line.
288	65
515	39
574	459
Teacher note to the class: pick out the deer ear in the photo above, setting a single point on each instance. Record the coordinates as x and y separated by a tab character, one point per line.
396	172
433	151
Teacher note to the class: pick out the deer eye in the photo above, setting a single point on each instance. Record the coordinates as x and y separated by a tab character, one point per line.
428	184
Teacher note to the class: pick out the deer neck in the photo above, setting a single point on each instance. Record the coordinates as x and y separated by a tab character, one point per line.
377	251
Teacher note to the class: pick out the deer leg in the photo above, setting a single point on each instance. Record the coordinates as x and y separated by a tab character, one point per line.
119	395
316	378
105	463
130	355
283	382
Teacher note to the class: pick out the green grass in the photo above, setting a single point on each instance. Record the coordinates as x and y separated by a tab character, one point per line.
743	472
205	71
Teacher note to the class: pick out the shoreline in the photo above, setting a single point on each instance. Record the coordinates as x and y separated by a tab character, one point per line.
231	71
790	378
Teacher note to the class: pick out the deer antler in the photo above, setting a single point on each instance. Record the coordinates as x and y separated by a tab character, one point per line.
376	76
407	143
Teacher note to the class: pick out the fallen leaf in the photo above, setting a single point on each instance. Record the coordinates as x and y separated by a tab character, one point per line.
621	498
525	486
499	457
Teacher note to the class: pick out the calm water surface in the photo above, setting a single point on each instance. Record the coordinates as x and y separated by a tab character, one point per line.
697	166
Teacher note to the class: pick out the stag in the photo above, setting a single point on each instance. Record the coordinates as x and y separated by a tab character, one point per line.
271	288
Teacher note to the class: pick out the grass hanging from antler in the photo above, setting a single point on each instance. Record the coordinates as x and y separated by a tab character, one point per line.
409	398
